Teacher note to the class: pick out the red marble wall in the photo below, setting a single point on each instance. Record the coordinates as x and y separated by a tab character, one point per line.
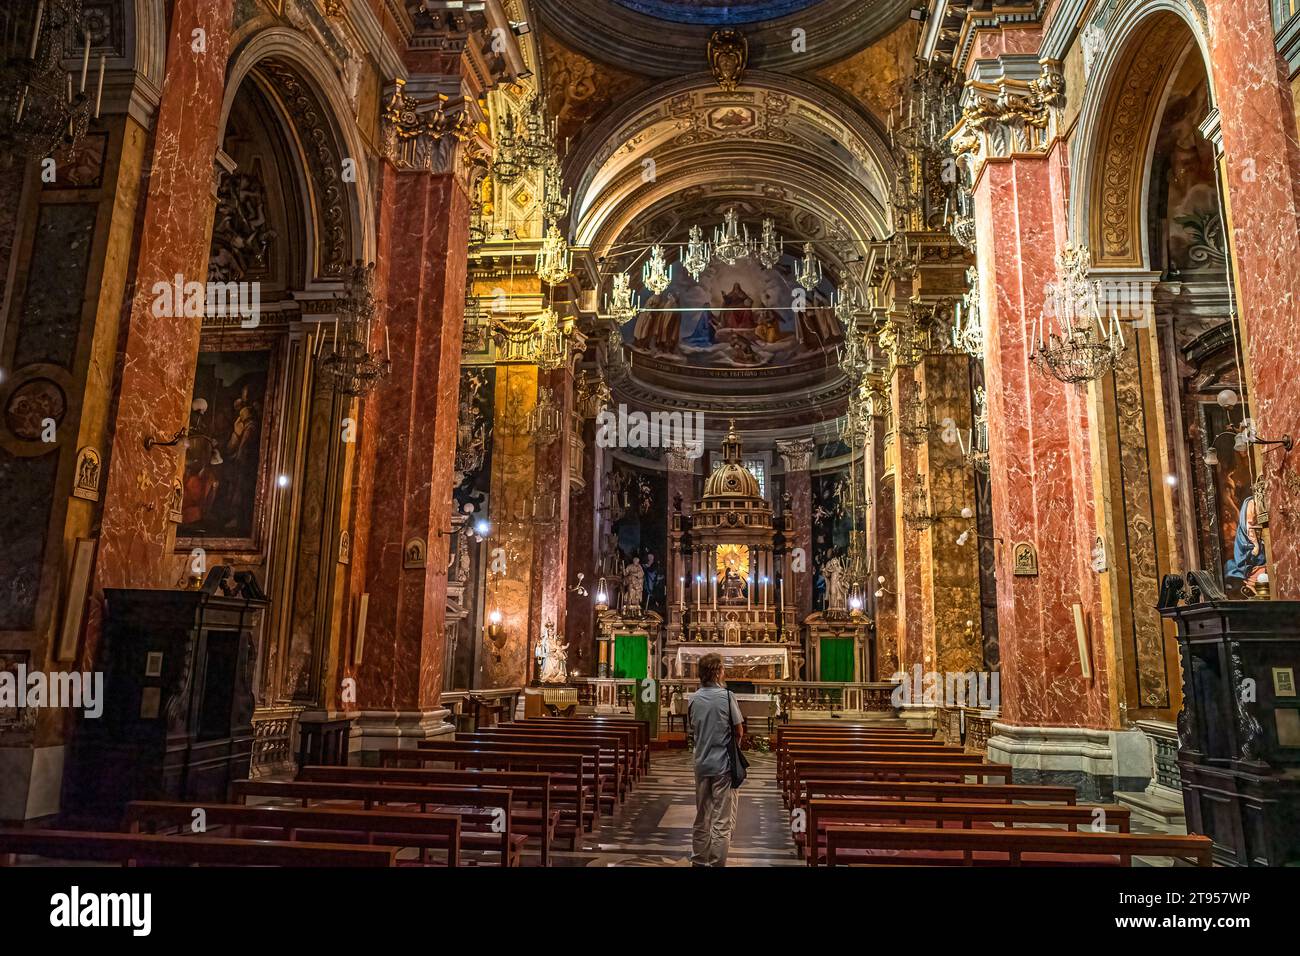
158	354
1040	461
409	428
1262	173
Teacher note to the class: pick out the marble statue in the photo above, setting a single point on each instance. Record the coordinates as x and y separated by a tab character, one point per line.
836	587
633	584
552	657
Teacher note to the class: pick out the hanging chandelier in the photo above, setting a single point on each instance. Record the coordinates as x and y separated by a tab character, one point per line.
551	347
656	274
903	341
914	420
731	241
697	255
809	272
554	258
968	335
975	449
506	163
1071	340
770	245
537	138
622	304
350	365
916	510
555	199
546	420
45	107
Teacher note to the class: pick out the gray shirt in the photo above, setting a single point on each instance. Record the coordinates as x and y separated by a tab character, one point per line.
712	729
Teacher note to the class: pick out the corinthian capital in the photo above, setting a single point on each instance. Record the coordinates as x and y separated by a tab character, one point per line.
797	453
421	133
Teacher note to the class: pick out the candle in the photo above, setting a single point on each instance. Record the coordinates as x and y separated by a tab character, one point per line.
36	28
99	92
681	592
387	354
85	61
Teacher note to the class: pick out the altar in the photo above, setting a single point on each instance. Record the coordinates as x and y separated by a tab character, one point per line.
730	597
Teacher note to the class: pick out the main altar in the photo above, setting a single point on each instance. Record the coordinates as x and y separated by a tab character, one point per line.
730	596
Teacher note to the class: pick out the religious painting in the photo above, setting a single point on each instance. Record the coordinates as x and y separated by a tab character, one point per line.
832	527
638	537
1236	526
738	316
227	457
17	721
473	468
1186	223
732	573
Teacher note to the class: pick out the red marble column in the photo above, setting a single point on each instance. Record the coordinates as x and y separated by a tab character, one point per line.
1040	461
798	485
884	556
580	618
909	600
408	448
552	546
159	353
1262	175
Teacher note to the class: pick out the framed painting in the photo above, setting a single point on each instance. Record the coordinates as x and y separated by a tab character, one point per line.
227	476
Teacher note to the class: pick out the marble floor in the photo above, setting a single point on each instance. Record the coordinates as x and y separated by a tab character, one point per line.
653	827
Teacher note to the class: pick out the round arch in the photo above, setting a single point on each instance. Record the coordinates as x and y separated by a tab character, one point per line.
1118	126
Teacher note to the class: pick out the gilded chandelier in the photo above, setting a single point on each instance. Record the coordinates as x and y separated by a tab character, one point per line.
554	258
731	241
770	245
42	112
1071	340
975	448
350	365
657	274
697	255
968	335
916	509
622	303
809	272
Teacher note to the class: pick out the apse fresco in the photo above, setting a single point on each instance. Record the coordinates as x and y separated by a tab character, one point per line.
715	12
1186	201
735	317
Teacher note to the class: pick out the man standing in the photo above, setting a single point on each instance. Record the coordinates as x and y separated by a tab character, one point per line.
715	717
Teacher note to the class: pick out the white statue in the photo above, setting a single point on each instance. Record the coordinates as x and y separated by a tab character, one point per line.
633	584
836	589
552	656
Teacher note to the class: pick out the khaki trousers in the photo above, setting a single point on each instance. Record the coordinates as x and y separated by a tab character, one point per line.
715	816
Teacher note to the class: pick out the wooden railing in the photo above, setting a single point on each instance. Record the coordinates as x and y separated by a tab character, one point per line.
275	739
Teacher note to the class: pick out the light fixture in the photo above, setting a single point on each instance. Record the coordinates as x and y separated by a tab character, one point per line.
968	337
506	166
914	422
546	420
770	245
282	481
731	241
482	527
809	272
554	258
622	303
45	108
1071	341
1212	457
975	448
602	595
697	255
656	274
350	365
1227	398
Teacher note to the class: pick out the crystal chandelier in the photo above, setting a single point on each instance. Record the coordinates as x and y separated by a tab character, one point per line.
809	272
537	139
969	337
42	111
656	274
506	164
916	510
697	255
1071	340
350	366
546	420
770	245
551	348
903	341
555	199
975	449
731	241
853	356
622	304
554	258
914	420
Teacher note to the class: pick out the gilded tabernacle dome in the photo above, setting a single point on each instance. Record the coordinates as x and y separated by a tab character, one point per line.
732	479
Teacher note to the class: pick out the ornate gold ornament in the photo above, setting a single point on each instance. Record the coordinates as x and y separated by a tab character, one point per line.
554	259
622	303
968	324
728	56
416	133
657	273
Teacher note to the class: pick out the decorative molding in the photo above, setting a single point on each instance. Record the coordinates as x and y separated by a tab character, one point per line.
797	453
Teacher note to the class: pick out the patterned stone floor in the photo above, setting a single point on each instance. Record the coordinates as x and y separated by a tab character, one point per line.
653	827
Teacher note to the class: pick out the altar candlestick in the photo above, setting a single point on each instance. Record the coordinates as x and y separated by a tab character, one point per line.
36	29
99	87
681	592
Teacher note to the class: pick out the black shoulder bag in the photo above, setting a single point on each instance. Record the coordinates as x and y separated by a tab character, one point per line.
739	765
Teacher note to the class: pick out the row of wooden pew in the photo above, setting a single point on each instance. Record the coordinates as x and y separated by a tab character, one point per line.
886	795
487	797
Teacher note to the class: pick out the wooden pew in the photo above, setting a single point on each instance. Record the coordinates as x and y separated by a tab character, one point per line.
572	783
895	770
871	748
621	742
421	831
612	762
924	791
532	811
640	728
786	777
484	811
896	813
908	846
139	849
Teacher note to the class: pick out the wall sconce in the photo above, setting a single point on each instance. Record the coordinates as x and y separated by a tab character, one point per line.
496	632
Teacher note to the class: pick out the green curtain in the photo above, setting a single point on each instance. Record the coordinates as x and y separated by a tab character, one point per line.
630	655
837	659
